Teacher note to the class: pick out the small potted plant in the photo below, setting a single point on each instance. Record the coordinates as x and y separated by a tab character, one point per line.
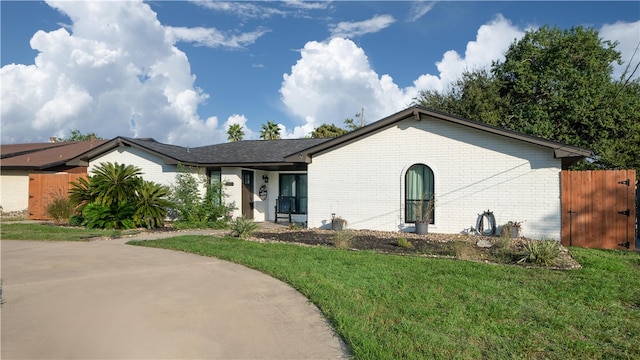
424	209
338	223
512	229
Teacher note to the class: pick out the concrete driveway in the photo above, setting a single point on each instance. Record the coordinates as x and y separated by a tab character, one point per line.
107	300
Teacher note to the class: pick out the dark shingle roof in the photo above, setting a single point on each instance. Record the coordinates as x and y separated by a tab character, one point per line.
252	151
265	154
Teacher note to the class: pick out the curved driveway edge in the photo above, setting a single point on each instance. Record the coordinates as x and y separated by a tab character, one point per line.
108	300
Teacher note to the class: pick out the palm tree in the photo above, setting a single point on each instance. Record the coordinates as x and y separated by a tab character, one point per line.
235	133
270	131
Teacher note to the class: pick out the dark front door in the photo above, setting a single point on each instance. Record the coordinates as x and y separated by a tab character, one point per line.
247	194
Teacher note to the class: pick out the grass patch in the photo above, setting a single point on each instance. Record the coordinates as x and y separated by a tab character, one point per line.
20	231
392	307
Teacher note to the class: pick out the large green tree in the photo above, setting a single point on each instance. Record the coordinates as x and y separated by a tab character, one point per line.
556	84
235	133
270	131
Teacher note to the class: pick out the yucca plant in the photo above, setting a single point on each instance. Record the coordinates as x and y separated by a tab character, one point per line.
242	227
542	252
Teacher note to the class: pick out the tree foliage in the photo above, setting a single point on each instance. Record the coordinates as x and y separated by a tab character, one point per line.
556	84
76	135
327	131
235	133
270	131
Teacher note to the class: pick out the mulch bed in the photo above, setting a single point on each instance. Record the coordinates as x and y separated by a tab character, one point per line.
458	246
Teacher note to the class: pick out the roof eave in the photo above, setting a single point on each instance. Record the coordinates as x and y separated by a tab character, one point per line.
561	151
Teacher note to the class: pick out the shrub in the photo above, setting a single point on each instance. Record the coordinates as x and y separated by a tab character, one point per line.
116	197
541	252
343	239
116	216
193	210
404	243
242	227
76	220
60	209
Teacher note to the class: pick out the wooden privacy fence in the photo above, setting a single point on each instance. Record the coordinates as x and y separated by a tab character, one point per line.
598	208
44	188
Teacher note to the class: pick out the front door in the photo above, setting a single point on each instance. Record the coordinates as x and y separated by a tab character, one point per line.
247	194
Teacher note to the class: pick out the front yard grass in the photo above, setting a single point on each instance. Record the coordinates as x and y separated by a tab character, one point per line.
36	231
410	307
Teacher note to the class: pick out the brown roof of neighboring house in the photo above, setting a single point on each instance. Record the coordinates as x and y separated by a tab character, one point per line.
42	156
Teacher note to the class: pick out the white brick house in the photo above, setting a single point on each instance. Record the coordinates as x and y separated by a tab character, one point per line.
362	176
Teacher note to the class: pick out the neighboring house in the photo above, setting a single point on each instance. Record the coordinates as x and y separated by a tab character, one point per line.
19	161
373	176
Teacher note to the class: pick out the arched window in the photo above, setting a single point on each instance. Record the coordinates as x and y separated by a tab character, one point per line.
418	187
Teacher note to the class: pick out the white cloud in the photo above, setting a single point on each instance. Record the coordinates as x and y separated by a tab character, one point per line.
242	121
240	8
109	74
354	29
628	37
419	9
214	38
332	80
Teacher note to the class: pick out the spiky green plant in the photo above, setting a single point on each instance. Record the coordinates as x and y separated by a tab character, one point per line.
80	193
242	227
541	252
151	204
114	183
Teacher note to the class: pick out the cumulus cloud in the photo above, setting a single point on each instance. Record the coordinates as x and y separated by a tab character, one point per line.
628	37
112	75
333	80
353	29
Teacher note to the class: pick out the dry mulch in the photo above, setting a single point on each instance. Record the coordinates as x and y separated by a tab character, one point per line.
460	246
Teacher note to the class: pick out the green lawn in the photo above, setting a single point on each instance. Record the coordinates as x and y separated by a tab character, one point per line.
31	231
393	307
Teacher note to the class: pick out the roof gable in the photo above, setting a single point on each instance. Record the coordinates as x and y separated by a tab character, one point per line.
569	154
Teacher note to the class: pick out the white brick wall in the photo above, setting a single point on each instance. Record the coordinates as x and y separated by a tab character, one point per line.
152	166
474	171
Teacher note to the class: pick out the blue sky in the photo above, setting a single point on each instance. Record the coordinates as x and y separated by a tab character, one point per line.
182	71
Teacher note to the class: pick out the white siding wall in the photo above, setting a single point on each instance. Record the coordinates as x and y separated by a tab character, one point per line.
14	190
474	171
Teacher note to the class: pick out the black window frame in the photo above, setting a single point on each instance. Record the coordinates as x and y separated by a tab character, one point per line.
410	203
299	203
